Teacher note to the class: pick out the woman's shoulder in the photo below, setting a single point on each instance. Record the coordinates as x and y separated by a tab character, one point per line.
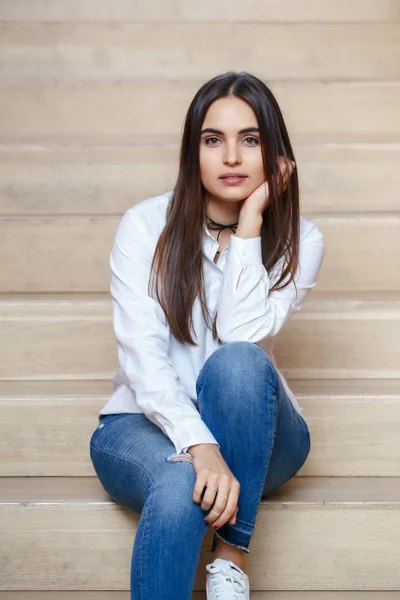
150	208
149	214
309	230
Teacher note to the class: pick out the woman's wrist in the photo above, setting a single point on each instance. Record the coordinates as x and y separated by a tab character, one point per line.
250	223
197	447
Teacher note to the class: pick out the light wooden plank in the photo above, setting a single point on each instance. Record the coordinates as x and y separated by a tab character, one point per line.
65	54
109	180
360	523
356	252
71	253
111	114
257	595
39	250
304	491
303	388
354	427
252	10
73	339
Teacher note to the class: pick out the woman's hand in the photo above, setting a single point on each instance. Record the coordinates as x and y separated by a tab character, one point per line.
213	472
259	199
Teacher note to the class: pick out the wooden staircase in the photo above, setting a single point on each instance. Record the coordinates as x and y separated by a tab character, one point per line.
92	100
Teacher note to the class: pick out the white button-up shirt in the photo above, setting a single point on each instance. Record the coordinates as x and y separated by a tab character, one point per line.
157	374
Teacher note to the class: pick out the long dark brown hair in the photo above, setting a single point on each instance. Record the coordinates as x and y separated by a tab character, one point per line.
178	257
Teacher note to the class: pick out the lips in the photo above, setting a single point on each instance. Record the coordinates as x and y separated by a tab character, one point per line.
232	175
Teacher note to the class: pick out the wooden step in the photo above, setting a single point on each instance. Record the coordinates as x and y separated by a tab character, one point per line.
64	53
46	426
202	595
110	113
70	336
268	10
78	532
40	256
334	178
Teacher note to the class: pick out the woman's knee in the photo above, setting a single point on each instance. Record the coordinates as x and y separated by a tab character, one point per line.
238	361
123	481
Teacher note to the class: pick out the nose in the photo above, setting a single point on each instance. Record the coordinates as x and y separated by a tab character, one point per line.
232	154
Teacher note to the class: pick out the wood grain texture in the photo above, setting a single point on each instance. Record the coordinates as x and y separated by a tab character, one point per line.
344	518
63	337
45	427
68	54
257	595
102	180
71	253
314	111
253	10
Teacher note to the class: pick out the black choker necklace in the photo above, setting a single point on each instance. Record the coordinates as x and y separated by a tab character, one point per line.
215	226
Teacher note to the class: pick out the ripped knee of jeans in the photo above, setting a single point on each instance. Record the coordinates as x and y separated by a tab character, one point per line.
182	457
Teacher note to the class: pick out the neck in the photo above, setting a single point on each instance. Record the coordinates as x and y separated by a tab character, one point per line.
224	213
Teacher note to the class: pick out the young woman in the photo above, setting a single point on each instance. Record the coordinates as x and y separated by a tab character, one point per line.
202	423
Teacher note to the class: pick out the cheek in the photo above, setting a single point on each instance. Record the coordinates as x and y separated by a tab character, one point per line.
258	171
257	163
208	165
203	161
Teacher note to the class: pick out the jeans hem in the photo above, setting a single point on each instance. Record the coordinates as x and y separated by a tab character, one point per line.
230	542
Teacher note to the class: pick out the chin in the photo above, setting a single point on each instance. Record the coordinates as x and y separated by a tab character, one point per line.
234	195
229	195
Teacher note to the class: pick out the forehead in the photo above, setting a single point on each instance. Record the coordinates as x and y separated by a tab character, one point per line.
230	114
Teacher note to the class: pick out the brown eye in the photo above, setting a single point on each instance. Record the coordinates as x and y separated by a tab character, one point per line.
253	139
208	139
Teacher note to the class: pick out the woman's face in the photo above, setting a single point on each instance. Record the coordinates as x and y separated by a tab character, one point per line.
229	151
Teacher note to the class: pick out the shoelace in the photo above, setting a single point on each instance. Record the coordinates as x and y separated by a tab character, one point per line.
231	575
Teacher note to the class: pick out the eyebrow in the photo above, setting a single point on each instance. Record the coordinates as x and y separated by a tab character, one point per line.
246	130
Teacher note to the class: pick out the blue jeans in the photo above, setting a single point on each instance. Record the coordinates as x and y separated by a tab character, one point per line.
262	438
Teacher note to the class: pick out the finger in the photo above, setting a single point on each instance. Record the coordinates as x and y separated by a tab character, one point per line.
230	508
283	176
220	500
284	183
210	493
283	164
282	172
199	486
229	511
292	165
232	520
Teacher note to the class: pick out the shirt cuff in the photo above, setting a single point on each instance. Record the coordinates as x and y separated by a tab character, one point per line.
244	252
191	432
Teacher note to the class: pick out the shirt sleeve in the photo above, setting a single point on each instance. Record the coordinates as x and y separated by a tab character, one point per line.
246	310
142	335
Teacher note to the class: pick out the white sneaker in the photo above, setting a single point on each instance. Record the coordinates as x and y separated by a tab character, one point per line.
226	581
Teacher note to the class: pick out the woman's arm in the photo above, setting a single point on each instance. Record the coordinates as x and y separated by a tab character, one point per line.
245	311
142	335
